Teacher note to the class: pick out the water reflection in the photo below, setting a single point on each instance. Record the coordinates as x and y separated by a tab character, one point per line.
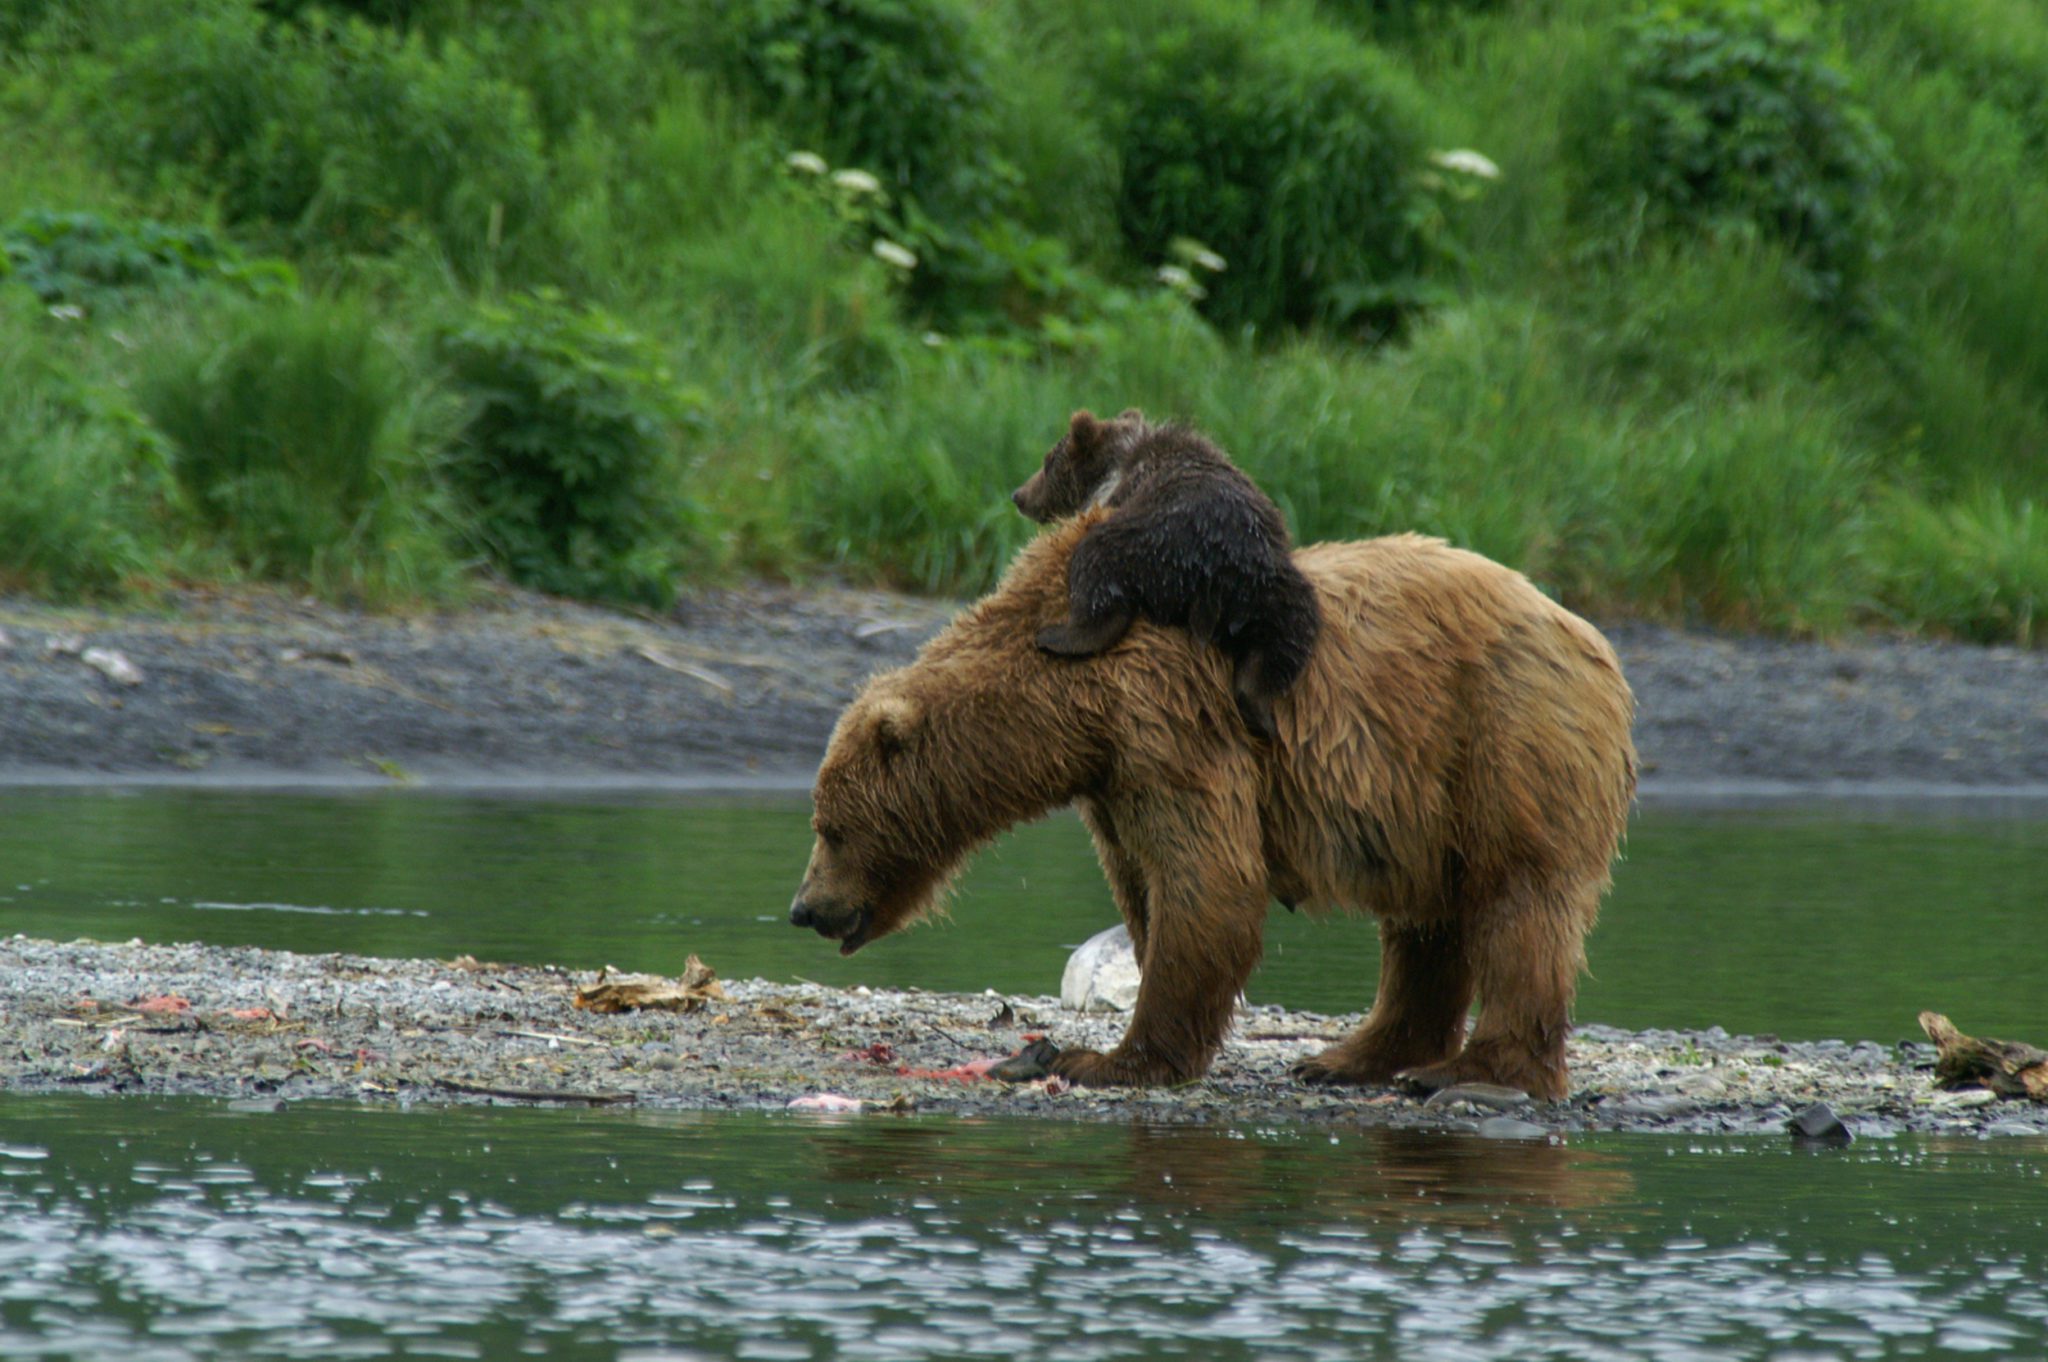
184	1230
1270	1176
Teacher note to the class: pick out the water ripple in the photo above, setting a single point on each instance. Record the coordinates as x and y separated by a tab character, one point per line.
163	1232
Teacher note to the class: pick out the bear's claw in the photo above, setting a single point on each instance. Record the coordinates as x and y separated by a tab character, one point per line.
1093	1069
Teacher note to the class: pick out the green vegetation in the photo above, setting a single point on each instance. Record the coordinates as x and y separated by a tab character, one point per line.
1744	329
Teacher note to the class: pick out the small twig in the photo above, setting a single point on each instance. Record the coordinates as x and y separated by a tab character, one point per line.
958	1043
689	669
595	1099
549	1035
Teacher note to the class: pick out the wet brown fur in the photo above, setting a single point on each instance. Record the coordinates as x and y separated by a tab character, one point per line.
1455	759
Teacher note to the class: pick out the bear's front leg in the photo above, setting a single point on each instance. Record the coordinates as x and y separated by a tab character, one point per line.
1203	939
1118	1069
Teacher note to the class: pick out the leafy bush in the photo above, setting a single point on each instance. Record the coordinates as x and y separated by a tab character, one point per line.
85	260
1718	119
897	87
1977	567
81	475
1289	149
64	527
339	135
568	458
300	439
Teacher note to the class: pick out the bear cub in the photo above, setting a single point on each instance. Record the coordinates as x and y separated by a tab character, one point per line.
1189	541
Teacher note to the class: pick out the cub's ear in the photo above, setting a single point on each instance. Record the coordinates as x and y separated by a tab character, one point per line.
896	722
1084	431
1132	415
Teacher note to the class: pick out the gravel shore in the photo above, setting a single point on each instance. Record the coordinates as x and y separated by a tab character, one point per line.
270	1026
742	684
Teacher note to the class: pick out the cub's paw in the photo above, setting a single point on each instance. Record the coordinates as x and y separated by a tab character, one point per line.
1061	640
1257	714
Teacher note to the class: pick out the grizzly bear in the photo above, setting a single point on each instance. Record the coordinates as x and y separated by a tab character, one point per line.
1455	759
1192	541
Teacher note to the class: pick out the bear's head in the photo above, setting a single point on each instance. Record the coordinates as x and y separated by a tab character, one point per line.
875	864
1083	468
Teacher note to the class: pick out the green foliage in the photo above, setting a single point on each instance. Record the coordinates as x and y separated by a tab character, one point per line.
1290	149
1977	567
336	135
568	458
63	532
898	87
85	260
300	440
1719	119
1608	369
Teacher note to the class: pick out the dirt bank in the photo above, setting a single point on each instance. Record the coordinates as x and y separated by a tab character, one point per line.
744	683
259	1025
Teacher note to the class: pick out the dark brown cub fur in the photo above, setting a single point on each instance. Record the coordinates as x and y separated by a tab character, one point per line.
1191	541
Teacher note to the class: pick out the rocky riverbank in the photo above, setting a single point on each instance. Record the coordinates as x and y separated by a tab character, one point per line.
742	684
263	1027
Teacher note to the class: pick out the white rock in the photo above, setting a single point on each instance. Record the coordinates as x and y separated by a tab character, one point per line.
113	664
1102	975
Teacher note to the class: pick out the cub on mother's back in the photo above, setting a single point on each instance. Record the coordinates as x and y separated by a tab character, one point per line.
1191	541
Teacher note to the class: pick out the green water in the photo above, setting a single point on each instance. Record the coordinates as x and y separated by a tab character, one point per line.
1809	925
156	1231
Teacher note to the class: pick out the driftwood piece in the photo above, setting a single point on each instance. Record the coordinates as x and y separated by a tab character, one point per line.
594	1099
616	992
2006	1067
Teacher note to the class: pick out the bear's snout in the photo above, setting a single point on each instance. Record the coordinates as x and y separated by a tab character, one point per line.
832	918
1028	499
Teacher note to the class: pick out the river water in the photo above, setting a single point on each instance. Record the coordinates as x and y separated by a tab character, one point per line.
1809	924
148	1229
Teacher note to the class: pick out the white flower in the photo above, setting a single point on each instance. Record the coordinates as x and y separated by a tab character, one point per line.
933	339
68	312
856	182
806	163
1181	282
1192	252
1465	161
889	253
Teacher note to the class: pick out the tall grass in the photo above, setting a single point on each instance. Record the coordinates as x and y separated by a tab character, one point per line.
1643	406
81	486
301	440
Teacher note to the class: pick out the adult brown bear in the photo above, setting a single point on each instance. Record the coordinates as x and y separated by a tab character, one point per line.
1455	759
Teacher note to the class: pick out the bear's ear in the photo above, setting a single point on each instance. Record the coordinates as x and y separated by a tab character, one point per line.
1084	431
1132	415
896	721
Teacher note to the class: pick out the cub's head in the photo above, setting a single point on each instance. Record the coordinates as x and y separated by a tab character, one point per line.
878	859
1083	467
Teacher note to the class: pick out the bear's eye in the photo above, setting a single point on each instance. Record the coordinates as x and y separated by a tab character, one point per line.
830	837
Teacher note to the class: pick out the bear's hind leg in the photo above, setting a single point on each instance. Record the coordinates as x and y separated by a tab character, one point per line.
1418	1015
1528	948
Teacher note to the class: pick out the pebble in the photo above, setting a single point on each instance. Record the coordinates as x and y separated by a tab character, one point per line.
1818	1124
1510	1128
2021	1128
1963	1097
1479	1095
1653	1107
